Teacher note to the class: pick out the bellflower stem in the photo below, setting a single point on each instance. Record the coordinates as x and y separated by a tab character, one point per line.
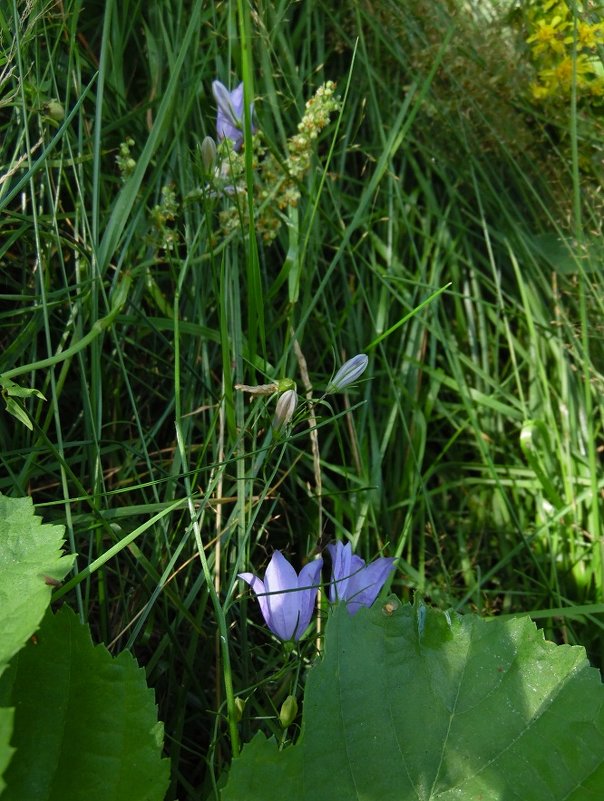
218	610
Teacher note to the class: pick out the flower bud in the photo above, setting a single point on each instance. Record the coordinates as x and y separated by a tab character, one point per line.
348	373
239	707
289	711
55	110
208	153
286	406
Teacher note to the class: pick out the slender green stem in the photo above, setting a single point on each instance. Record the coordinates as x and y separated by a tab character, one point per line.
255	301
102	324
195	522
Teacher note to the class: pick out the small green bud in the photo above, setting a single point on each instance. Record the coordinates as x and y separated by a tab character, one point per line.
208	153
289	711
54	110
239	707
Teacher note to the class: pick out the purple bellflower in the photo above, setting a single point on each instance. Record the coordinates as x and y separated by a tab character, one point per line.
286	599
352	580
231	113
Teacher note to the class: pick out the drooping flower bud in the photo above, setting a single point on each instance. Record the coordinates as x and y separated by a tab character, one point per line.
348	373
286	406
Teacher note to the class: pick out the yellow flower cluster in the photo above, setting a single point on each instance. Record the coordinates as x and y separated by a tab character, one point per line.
565	50
277	181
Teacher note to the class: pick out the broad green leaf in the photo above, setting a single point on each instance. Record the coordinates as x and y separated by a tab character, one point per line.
30	561
411	704
85	723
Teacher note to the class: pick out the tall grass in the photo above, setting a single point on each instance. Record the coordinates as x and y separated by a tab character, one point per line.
472	449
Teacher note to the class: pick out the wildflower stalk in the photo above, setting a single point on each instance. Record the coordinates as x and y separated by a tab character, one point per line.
314	438
232	711
574	142
594	513
255	298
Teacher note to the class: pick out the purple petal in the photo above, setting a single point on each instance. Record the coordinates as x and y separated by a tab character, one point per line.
230	113
226	130
281	582
365	585
308	581
237	102
227	118
224	102
238	106
286	599
341	556
257	587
